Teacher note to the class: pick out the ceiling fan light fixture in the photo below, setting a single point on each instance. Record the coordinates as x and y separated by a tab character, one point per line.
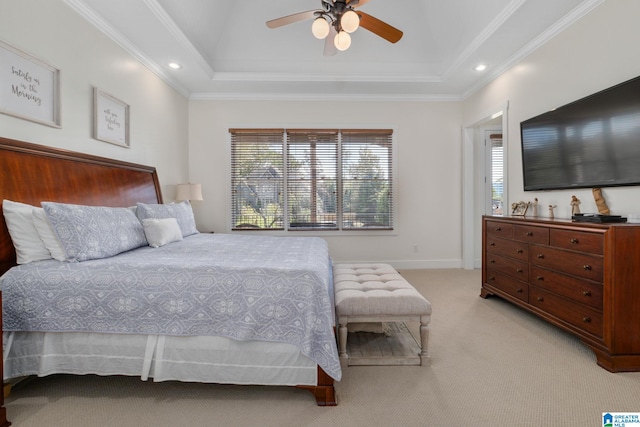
350	21
320	28
342	40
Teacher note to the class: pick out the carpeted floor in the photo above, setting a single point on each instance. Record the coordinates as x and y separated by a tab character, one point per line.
492	364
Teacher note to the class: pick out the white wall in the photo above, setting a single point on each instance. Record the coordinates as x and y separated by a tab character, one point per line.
52	32
597	52
427	137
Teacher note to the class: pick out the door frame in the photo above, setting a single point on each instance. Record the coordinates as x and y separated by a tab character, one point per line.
472	139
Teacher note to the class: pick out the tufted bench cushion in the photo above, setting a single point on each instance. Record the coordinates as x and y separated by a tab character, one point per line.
378	293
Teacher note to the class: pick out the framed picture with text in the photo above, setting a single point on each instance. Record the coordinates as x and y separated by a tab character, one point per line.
29	87
110	119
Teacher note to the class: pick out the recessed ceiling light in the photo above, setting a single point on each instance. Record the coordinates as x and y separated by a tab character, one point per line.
175	65
480	67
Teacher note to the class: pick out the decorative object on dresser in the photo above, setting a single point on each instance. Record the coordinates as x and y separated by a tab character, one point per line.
580	277
519	208
601	203
575	205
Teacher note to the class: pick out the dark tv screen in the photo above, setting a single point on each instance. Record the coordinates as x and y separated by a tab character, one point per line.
592	142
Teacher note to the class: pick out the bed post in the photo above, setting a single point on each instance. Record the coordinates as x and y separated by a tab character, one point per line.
324	392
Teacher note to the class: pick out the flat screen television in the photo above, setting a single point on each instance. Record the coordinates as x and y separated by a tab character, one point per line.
592	142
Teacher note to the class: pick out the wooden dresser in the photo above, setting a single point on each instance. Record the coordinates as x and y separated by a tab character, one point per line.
581	277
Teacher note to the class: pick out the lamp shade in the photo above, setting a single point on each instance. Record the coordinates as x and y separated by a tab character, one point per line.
189	192
342	40
320	28
350	21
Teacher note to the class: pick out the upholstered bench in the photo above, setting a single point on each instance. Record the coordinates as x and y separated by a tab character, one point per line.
378	293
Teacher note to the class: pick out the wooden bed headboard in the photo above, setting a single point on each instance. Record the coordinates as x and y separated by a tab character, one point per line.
31	173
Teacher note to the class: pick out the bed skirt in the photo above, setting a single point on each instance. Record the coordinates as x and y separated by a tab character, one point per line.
202	359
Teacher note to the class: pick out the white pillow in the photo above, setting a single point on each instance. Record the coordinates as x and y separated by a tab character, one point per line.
159	232
182	212
25	237
48	236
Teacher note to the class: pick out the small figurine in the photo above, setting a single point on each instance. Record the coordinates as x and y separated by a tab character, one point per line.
551	207
534	207
575	205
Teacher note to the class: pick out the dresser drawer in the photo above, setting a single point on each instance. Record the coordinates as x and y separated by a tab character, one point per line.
531	234
508	248
501	229
507	284
581	241
577	264
578	315
511	267
579	290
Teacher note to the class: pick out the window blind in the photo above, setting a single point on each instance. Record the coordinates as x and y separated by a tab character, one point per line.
497	174
312	184
257	178
366	179
312	179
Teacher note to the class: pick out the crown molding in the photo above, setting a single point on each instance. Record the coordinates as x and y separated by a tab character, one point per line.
96	20
568	20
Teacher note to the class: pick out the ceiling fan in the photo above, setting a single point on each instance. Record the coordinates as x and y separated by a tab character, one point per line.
336	20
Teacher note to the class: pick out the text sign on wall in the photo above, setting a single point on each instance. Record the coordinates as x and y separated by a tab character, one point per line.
111	119
29	88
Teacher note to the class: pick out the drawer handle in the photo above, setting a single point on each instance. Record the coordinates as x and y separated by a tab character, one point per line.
493	261
492	278
540	256
518	270
540	278
586	319
529	234
586	293
519	290
587	267
492	244
574	241
498	228
519	251
540	299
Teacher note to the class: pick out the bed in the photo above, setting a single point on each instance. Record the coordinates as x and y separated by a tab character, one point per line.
187	310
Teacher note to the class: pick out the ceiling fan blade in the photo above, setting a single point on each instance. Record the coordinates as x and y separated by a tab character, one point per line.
290	19
379	27
329	46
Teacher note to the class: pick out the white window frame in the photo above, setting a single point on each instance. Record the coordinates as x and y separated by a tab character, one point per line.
393	230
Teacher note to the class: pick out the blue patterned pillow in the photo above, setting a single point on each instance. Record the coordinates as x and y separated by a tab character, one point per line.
93	232
182	212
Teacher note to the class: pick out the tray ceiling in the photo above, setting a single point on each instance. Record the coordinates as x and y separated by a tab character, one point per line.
227	51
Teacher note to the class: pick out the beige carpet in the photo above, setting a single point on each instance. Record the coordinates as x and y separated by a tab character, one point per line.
492	365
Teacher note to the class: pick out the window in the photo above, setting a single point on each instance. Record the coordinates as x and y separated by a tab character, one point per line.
497	174
311	179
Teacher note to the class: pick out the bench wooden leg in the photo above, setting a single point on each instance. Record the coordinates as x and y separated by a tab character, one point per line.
342	337
425	359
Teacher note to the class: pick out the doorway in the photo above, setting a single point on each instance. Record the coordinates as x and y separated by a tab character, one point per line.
477	196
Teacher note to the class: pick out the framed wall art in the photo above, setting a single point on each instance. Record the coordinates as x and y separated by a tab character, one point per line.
110	119
29	87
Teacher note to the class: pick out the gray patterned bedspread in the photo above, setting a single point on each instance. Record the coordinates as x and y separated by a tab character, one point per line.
243	287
